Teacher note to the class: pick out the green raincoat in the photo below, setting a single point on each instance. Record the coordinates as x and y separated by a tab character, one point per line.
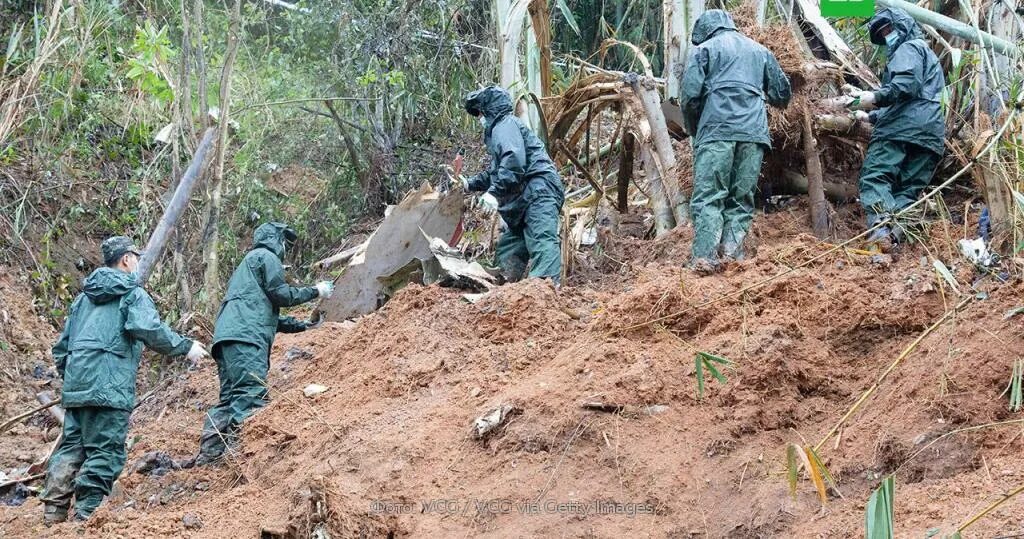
526	184
909	129
98	356
728	79
245	329
250	312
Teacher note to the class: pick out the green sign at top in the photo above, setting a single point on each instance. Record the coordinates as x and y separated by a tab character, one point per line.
847	8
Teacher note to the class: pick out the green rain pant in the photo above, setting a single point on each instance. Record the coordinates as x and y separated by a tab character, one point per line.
535	240
724	177
893	175
90	458
242	368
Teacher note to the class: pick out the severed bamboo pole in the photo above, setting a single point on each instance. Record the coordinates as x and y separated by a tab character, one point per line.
158	240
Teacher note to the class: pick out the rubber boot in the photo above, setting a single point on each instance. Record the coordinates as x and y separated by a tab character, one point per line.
54	514
881	240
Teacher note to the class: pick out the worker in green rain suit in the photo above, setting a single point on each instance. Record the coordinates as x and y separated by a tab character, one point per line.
97	356
522	185
728	78
909	127
244	332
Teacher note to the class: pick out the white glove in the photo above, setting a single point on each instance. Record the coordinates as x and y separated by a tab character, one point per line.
861	116
465	183
488	204
197	352
862	101
325	289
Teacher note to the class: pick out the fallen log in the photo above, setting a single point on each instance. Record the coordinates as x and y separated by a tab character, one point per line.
954	27
794	183
182	194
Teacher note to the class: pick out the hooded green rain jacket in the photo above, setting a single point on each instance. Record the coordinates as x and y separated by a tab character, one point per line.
257	290
728	78
911	92
520	169
98	353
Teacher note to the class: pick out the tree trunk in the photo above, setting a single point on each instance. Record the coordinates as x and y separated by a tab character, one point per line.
794	183
815	181
540	19
625	171
211	277
663	219
676	31
199	30
647	93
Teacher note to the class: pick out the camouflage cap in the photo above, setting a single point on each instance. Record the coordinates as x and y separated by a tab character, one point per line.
116	246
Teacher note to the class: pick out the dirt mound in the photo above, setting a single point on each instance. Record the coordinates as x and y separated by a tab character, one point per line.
605	435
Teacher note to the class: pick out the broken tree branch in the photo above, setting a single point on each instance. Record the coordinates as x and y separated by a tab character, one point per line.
7	424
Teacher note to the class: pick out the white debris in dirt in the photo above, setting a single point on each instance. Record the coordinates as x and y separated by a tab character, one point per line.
493	419
976	251
313	390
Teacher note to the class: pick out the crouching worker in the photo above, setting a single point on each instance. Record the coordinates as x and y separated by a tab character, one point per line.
522	185
98	355
249	319
728	79
909	127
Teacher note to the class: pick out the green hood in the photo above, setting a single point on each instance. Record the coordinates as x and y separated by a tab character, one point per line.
902	23
107	284
493	102
710	23
272	237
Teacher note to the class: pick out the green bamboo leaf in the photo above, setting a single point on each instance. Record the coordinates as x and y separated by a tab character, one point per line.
878	519
714	372
717	359
700	376
569	19
791	468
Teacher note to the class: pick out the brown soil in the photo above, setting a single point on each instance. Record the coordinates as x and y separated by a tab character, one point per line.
25	340
393	432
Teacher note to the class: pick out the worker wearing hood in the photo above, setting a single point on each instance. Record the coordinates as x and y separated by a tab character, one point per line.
98	356
727	80
909	132
249	319
522	185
